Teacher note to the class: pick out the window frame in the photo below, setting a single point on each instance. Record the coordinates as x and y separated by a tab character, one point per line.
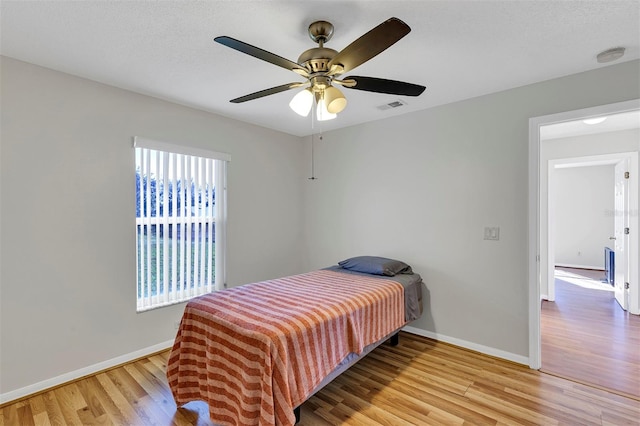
149	301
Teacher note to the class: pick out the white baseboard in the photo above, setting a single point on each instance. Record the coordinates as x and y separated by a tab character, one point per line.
86	371
101	366
469	345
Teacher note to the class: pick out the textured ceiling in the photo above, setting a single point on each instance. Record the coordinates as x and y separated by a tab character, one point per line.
457	49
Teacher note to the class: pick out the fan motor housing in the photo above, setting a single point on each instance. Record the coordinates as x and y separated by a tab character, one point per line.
320	83
317	58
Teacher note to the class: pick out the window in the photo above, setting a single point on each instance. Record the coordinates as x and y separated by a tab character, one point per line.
180	222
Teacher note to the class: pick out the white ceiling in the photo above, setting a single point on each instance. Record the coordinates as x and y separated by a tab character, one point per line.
457	49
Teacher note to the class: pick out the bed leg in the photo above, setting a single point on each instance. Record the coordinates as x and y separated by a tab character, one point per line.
395	339
296	412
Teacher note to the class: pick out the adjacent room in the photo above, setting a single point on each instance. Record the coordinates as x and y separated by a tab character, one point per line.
148	143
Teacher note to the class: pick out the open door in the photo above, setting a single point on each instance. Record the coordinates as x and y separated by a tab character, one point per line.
621	233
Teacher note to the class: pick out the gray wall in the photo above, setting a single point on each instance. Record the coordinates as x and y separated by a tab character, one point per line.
422	187
68	208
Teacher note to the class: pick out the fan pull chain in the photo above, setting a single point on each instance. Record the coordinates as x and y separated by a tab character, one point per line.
313	174
313	135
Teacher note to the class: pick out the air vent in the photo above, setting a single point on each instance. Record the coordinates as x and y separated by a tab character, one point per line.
391	105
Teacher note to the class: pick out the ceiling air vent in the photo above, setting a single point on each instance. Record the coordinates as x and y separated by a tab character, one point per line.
390	105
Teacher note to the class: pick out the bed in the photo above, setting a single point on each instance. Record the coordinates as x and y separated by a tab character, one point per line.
256	352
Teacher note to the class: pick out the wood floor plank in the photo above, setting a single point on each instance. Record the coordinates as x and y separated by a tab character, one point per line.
26	416
123	405
133	392
348	416
395	406
327	417
41	419
37	405
159	392
366	408
70	402
10	415
54	413
90	390
418	382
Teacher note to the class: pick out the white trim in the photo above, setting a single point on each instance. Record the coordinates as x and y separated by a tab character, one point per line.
533	252
139	142
122	359
86	371
468	345
533	255
634	238
548	251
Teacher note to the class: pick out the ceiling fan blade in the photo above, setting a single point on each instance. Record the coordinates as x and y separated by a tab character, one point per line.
266	92
381	85
256	52
370	44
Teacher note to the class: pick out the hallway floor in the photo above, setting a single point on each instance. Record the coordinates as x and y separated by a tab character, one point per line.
587	337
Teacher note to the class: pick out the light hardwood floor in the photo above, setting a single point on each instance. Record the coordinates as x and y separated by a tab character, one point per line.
587	337
418	382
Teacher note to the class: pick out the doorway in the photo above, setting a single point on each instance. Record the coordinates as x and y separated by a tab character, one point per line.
540	264
588	204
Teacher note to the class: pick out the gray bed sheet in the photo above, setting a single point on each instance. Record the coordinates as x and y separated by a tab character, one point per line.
412	284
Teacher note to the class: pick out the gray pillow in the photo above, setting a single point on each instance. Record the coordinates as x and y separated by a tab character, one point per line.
376	265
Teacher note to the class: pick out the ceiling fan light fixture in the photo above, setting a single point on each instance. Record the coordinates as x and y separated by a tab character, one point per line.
334	100
321	66
302	102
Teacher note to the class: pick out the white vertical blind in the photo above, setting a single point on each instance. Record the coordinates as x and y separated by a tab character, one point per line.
180	223
221	225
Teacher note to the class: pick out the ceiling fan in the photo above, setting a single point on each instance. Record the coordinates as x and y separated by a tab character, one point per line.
321	67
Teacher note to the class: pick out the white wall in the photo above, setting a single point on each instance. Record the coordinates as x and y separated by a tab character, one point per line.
584	203
67	217
422	187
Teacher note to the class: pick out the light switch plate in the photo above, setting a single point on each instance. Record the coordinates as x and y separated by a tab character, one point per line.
492	233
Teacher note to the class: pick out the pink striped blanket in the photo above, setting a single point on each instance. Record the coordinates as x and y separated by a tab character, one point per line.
257	351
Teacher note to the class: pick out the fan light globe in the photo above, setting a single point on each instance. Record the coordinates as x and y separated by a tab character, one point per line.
321	111
334	100
302	102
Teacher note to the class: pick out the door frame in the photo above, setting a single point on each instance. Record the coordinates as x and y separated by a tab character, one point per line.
534	232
